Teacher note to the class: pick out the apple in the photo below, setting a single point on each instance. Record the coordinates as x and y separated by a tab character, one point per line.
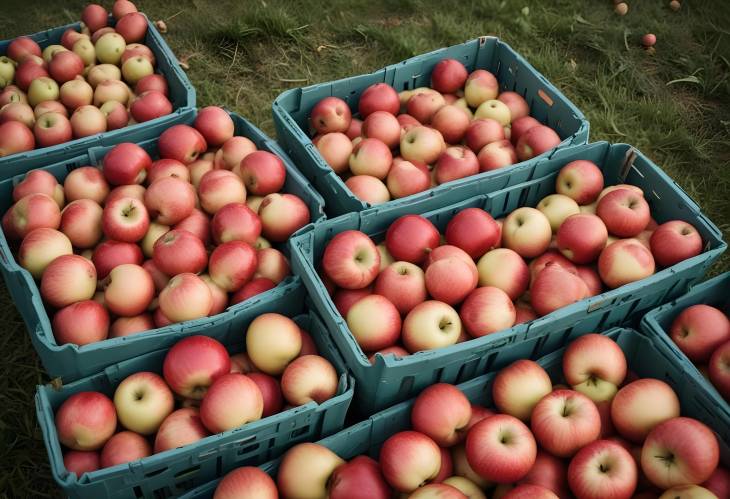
480	86
65	66
496	155
124	447
180	428
132	26
309	378
501	448
94	16
49	106
110	254
466	487
368	189
125	219
679	451
306	470
68	279
335	148
273	265
196	223
423	105
360	478
411	237
402	283
437	491
11	94
18	111
52	129
150	105
152	82
526	231
103	72
179	251
580	180
167	168
40	247
383	126
406	122
128	290
441	412
135	68
625	261
503	268
233	151
125	326
454	163
109	48
39	181
719	369
76	93
474	231
594	365
518	387
186	297
15	137
557	208
81	323
42	89
374	322
550	257
217	188
371	157
452	122
719	482
451	279
535	141
482	132
270	391
247	482
232	265
675	241
448	76
699	330
603	469
625	212
524	491
628	408
409	459
272	342
378	97
85	421
7	70
143	401
494	109
21	47
282	215
126	164
84	48
351	260
262	173
549	472
429	325
32	212
582	237
235	222
29	71
565	421
169	200
516	103
421	143
80	462
344	299
407	177
193	364
254	287
330	114
231	401
86	182
183	143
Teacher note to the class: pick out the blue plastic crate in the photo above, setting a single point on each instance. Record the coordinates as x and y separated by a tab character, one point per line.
181	95
71	362
547	104
169	473
714	292
645	356
390	380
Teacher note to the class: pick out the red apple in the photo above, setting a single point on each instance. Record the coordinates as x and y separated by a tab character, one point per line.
40	247
519	387
306	469
625	261
193	364
473	230
247	482
407	177
86	182
383	126
451	279
152	82
15	137
719	369
504	269
549	472
80	462
421	143
480	86
254	287
150	105
374	322
233	151
603	470
273	265
18	111
52	129
351	260
441	412
699	330
378	97
94	16
85	421
65	66
186	297
594	365
179	251
330	114
68	279
263	173
128	290
232	265
22	47
360	478
719	482
582	237
180	428
535	141
564	421
132	26
217	188
169	200
126	163
628	408
125	219
402	283
110	254
454	163
231	401
675	241
409	459
501	449
215	124
452	122
309	378
448	76
81	323
625	212
368	189
198	224
125	326
181	142
411	237
580	180
496	155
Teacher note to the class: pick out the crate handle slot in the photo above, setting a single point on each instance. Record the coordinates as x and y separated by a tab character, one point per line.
545	97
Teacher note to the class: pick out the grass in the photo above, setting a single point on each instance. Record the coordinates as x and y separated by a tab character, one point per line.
673	104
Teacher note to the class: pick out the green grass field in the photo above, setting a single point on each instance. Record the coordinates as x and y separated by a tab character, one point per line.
673	104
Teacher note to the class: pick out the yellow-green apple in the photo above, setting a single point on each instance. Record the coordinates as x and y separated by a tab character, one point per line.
480	86
128	290
565	421
179	251
330	114
247	482
15	137
451	279
582	237
110	254
84	48
125	219
167	168
494	109
698	331
535	141
558	207
466	487
80	462
170	200
473	230
124	447
7	70
603	469
153	82
40	247
437	491
125	326
688	491
411	238
679	451
18	111
65	66
232	265
42	89
29	71
85	421
719	369
625	261
262	172
719	482
180	428
94	16
409	459
402	283
505	269
448	76
442	412
235	222
231	401
518	387
49	106
496	155
282	215
422	106
272	342
68	279
625	212
351	260
580	180
360	478
374	322
378	97
150	105
628	408
86	121
186	297
421	143
462	468
309	378
383	126
590	276
81	323
336	148
516	103
429	325
143	401
306	470
527	232
272	265
371	157
183	143
217	188
233	151
109	48
595	366
86	182
452	122
76	93
135	68
385	257
368	188
22	47
344	299
132	26
482	132
549	472
501	448
193	364
270	391
456	162
675	241
407	177
52	129
254	287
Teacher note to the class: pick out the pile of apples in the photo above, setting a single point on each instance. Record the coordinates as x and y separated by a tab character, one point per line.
137	252
606	436
89	76
499	272
411	141
702	332
215	393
